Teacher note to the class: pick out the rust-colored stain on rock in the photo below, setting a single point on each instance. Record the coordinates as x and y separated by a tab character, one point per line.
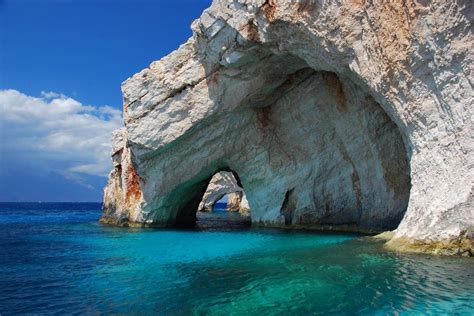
133	185
334	85
252	31
264	116
394	29
305	7
215	78
269	9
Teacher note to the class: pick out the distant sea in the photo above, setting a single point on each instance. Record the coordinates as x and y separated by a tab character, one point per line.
55	258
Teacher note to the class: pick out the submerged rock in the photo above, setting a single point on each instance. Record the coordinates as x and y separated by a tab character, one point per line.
340	115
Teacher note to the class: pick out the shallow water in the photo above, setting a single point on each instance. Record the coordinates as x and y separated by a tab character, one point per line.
56	259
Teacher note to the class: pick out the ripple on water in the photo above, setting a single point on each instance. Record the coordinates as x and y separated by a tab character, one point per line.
73	265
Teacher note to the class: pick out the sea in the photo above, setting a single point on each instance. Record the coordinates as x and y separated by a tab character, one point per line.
57	259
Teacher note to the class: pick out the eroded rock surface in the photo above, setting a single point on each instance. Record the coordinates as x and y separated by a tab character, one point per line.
238	202
221	184
336	115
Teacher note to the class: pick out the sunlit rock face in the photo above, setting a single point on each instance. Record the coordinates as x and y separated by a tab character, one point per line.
224	183
122	195
338	116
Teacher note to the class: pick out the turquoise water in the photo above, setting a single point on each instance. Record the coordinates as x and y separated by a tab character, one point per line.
56	259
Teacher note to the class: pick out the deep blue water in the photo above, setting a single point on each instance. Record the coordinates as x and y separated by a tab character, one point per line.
55	258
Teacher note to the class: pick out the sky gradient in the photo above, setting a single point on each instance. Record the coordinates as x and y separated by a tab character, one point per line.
61	67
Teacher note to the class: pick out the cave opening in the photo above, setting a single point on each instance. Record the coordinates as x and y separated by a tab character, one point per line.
315	148
221	204
224	204
339	160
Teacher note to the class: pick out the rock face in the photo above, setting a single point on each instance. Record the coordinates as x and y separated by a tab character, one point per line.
238	203
122	195
221	184
350	115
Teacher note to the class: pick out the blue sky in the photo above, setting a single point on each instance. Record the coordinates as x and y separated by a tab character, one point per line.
61	66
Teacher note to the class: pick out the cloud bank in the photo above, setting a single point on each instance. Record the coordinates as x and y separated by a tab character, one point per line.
57	133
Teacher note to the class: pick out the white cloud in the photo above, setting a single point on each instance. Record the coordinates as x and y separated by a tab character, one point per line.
51	95
57	132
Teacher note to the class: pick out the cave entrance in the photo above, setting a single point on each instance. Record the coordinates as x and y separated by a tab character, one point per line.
232	202
224	204
221	204
315	148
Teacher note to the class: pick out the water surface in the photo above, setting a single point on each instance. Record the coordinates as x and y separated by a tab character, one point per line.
56	259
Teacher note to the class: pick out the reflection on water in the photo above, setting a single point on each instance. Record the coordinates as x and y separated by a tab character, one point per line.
221	220
57	259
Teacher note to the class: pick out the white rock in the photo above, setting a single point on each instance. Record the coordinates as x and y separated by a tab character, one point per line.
238	203
343	115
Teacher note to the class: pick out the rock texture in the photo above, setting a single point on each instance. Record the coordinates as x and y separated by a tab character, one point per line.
339	115
238	202
221	184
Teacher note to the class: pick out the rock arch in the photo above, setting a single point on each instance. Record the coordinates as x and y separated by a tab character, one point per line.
303	131
224	183
330	113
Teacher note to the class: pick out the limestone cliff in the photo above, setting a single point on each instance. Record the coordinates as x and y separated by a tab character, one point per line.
339	115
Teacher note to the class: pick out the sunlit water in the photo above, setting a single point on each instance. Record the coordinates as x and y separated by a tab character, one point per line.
56	259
